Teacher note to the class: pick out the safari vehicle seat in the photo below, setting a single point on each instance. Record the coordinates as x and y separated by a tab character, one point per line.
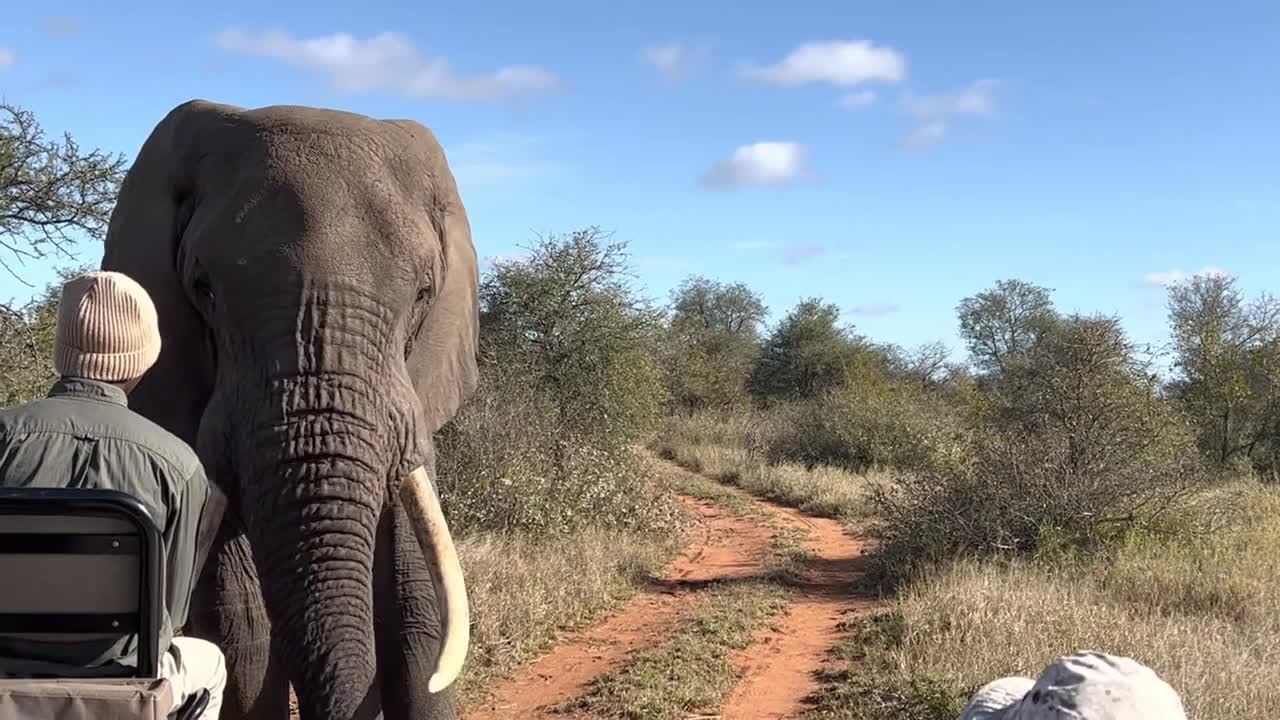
82	564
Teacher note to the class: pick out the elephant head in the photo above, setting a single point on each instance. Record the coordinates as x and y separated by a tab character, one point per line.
316	286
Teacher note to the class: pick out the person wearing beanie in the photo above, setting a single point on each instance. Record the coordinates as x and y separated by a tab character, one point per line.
83	434
1086	685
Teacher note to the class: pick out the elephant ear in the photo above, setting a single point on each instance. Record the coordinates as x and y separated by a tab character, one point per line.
442	364
156	201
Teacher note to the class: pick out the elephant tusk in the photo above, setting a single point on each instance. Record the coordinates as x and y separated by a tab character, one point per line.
433	535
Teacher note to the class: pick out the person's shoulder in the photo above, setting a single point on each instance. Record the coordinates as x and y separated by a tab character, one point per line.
162	442
16	413
9	415
33	416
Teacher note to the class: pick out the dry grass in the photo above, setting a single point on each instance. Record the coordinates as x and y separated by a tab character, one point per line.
745	430
701	444
717	461
700	486
524	593
822	491
1234	575
1205	614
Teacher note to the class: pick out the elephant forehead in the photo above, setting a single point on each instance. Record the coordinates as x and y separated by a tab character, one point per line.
320	143
353	221
326	191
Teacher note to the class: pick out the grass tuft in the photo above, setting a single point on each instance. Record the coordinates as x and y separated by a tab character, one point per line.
698	486
525	592
693	671
824	491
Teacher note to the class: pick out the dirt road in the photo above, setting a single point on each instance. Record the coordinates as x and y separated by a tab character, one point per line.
777	671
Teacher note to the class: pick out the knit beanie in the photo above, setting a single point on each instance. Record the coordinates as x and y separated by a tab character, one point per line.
107	328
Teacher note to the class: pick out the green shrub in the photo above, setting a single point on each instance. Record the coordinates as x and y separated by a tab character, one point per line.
498	469
26	343
1081	453
868	425
569	383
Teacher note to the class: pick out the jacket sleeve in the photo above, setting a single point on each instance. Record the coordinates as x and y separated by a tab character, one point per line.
184	552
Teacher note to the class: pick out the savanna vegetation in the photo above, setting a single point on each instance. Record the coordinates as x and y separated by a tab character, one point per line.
1050	492
1053	493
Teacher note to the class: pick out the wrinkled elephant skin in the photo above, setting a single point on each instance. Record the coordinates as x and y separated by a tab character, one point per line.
316	284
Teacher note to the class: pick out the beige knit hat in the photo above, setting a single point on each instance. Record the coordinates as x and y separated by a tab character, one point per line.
107	328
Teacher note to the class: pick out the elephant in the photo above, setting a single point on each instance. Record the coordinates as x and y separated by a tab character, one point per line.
317	292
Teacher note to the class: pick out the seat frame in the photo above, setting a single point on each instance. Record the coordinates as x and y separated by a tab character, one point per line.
147	544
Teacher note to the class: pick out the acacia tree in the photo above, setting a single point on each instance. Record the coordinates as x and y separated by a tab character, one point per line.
809	353
26	348
49	193
566	319
928	364
1002	325
712	340
1227	359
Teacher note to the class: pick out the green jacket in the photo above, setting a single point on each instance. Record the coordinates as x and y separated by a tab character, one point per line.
84	435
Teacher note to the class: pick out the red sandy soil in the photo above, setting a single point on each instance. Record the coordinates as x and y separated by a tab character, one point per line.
779	668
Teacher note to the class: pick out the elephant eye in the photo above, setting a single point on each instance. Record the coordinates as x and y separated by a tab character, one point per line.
416	318
426	289
203	289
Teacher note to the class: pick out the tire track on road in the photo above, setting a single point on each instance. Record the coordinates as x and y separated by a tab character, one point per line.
724	547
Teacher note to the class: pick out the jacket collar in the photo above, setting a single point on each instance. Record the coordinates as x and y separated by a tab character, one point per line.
91	389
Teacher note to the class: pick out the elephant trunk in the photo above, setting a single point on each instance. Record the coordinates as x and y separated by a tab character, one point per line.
312	505
334	428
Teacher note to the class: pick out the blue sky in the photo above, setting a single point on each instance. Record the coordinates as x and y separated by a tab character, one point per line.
891	157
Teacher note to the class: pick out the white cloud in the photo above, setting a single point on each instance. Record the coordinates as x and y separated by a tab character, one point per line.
792	254
927	133
675	59
1164	279
875	309
859	99
933	111
1177	277
762	163
388	62
836	63
8	58
60	79
754	245
976	99
789	253
495	159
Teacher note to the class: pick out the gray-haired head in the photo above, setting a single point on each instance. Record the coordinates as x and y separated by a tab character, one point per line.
1084	686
